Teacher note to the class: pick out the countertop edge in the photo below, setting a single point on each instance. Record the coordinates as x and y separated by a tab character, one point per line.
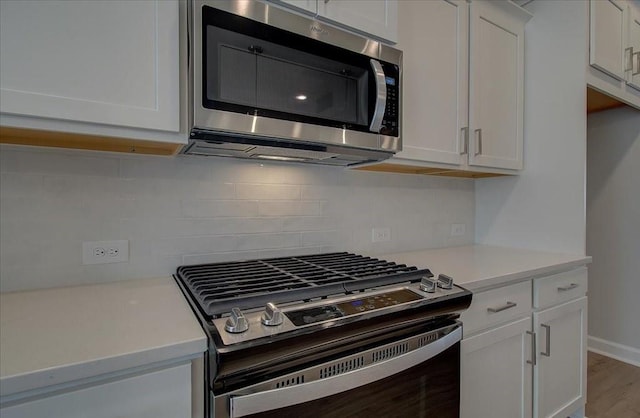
499	281
52	378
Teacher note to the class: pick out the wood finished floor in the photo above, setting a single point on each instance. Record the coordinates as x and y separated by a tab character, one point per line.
613	388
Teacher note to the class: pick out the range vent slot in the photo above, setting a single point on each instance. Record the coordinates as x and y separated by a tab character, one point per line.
390	352
292	381
342	367
427	339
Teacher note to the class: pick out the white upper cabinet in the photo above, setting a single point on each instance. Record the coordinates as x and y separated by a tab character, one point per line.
374	17
633	74
463	83
496	93
607	37
103	62
614	49
310	6
434	38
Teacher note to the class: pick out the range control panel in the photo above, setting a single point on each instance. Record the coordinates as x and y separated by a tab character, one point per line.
352	307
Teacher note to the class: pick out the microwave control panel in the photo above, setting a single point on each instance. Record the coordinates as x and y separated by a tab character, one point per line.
390	125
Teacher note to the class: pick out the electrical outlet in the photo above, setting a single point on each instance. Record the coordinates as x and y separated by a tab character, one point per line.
458	229
381	234
100	252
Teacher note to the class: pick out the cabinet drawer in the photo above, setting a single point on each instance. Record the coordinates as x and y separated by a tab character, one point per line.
497	306
559	288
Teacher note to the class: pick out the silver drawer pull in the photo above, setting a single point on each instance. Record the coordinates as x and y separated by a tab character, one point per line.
533	348
568	287
508	305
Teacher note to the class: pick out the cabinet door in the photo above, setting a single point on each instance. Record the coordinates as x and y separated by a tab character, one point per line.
434	40
162	394
106	62
606	49
634	49
496	86
495	375
560	377
310	6
376	17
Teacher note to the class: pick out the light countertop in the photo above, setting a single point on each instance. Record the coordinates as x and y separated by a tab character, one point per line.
55	336
477	267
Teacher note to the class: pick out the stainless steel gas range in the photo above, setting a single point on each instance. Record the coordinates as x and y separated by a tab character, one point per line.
328	335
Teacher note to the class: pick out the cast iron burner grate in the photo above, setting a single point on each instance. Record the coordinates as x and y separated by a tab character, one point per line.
250	284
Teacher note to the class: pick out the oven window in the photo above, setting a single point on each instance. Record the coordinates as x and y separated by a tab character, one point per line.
428	390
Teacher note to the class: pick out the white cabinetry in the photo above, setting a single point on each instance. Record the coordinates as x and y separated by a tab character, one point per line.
496	86
463	69
607	37
511	338
104	62
614	49
560	375
93	74
375	17
496	378
161	394
435	98
633	76
310	6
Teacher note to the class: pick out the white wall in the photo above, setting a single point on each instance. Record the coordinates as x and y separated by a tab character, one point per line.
544	207
188	210
613	225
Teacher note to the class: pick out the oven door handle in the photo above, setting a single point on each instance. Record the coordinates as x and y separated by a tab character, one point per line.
242	405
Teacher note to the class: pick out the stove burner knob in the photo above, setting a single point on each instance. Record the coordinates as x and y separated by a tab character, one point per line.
272	316
427	285
237	322
445	282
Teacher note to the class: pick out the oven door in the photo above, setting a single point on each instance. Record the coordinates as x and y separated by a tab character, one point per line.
414	377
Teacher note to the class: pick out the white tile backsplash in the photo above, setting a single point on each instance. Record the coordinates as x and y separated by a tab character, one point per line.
189	210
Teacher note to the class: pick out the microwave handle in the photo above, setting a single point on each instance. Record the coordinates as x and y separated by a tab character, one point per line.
381	96
270	400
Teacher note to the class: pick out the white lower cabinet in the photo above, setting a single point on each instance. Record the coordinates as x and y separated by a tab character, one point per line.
530	366
164	393
496	378
560	375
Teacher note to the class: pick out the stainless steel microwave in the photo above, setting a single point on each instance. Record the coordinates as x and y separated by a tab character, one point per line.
269	83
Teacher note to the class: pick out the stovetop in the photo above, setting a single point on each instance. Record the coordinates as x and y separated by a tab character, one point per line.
256	301
219	287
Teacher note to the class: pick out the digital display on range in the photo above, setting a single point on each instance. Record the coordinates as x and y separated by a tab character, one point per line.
390	81
352	307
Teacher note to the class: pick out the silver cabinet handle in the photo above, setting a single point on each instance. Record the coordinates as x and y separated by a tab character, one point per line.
637	55
478	133
254	403
533	348
381	96
629	61
465	140
547	351
568	287
506	306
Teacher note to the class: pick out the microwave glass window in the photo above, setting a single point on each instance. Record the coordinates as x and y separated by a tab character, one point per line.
293	88
251	71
